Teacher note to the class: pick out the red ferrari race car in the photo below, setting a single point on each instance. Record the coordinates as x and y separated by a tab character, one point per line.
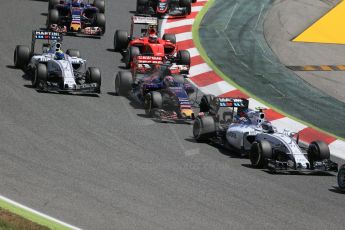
165	7
77	17
148	43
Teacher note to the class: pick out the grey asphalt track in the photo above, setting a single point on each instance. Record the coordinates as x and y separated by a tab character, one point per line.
238	46
98	164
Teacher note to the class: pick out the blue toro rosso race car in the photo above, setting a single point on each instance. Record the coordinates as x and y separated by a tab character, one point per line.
76	17
160	88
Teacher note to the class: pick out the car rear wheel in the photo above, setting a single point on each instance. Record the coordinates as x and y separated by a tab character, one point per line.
204	128
99	21
21	56
40	75
260	152
100	4
132	52
170	37
153	100
205	103
93	75
318	151
183	57
185	3
53	17
120	40
123	83
341	178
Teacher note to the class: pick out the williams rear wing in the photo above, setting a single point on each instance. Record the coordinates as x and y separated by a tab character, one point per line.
44	35
233	102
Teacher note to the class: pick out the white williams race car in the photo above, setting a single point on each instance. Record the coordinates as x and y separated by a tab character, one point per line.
56	71
229	122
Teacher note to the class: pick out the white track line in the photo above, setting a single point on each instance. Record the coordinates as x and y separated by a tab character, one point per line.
193	52
184	36
180	23
38	213
199	69
217	88
286	123
337	148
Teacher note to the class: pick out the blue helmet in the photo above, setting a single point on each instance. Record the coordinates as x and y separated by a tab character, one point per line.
59	56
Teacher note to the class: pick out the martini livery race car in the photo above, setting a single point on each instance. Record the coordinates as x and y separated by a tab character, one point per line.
148	44
77	17
165	7
162	90
341	178
54	70
229	122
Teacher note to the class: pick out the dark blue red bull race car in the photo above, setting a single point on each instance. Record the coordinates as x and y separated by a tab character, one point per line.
165	7
77	17
160	88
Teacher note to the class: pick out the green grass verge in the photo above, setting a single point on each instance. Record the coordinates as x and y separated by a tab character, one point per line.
198	45
31	216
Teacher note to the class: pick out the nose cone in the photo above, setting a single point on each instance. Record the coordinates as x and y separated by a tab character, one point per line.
75	27
187	113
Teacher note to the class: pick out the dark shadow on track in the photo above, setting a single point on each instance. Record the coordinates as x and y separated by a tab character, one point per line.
336	190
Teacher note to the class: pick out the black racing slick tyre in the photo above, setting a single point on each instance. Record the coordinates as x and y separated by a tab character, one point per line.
99	21
40	75
73	53
52	4
318	151
121	40
185	3
341	178
21	56
132	52
53	17
204	128
205	103
123	83
260	152
100	4
183	57
153	100
93	75
170	37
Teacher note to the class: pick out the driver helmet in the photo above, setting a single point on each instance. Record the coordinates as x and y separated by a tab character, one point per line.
153	38
267	127
59	55
169	81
